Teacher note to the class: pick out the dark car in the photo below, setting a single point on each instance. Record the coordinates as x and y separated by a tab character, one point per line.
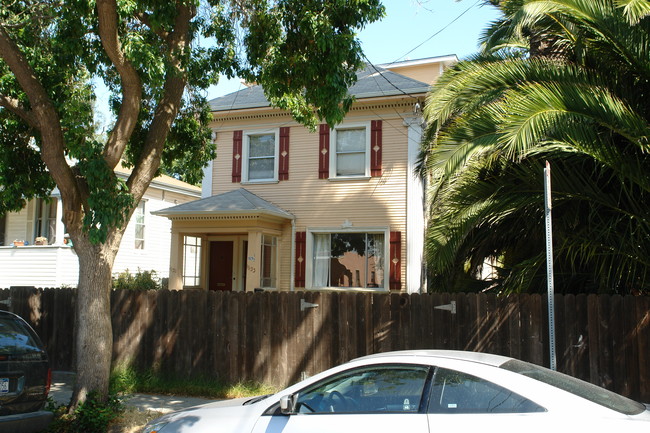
25	377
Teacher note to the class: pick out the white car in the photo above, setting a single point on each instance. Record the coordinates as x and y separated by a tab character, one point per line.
421	392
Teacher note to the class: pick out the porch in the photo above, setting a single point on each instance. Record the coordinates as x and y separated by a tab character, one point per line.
234	241
38	266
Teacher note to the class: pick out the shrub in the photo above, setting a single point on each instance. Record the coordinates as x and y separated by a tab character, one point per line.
142	280
92	416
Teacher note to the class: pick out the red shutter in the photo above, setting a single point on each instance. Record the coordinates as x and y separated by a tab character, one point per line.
301	245
375	148
395	261
324	152
236	155
283	171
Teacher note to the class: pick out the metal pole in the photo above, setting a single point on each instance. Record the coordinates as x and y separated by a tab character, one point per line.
549	266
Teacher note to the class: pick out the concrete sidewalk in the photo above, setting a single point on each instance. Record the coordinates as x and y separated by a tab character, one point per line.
61	391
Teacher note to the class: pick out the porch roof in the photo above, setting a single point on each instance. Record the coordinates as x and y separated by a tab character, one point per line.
236	202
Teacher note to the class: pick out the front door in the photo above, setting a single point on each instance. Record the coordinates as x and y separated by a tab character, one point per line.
221	273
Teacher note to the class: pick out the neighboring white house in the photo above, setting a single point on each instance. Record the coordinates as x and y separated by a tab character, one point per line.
35	251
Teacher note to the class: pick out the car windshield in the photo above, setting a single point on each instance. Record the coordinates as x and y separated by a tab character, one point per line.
16	339
577	387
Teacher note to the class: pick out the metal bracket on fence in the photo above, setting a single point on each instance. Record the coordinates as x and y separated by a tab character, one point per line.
448	307
304	305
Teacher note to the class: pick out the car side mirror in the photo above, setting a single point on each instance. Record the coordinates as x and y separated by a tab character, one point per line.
288	404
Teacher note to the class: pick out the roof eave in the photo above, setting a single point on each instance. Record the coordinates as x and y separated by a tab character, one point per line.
193	213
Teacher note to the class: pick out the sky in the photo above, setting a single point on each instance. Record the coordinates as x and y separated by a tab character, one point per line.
407	33
411	29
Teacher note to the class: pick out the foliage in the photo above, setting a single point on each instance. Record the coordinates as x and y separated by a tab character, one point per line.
564	81
92	416
141	280
156	59
129	380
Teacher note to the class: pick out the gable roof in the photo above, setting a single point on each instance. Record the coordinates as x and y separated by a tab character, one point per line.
235	202
163	182
372	82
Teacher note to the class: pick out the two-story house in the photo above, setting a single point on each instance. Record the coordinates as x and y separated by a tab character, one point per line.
287	208
35	251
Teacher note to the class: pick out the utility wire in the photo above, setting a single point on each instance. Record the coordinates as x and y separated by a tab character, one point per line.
436	33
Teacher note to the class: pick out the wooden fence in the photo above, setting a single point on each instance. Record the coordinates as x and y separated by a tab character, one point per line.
268	337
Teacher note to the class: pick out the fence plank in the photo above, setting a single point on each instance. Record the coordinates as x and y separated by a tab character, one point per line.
265	336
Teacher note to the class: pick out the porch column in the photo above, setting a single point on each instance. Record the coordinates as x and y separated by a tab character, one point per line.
253	260
59	231
415	220
176	261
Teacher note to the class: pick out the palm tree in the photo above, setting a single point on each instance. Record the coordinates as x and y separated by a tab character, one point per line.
560	80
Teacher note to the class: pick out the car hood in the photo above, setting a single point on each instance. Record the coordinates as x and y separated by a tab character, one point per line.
227	416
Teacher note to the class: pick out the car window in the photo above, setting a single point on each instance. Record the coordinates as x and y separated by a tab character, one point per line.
367	390
588	391
16	339
456	392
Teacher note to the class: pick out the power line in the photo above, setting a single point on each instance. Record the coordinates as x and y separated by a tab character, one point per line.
436	33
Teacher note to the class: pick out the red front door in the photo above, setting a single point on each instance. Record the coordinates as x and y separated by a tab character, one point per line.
221	274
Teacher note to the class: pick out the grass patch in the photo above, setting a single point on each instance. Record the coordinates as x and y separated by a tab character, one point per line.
129	381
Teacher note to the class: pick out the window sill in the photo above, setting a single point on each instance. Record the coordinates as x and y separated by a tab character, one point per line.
350	289
259	182
349	178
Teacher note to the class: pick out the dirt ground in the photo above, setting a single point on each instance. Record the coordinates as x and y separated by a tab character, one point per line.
133	420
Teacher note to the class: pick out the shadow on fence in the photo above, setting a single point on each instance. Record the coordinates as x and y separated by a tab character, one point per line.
267	337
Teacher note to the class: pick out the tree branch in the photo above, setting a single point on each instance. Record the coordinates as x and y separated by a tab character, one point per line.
168	106
144	19
131	83
13	105
47	122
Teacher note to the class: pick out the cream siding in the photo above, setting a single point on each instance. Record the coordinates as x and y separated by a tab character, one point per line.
376	202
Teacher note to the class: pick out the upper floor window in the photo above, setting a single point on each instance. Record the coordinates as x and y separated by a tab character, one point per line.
139	226
260	156
351	150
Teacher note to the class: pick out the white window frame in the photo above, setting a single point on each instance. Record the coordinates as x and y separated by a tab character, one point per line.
142	205
309	252
44	221
246	153
273	242
198	260
333	152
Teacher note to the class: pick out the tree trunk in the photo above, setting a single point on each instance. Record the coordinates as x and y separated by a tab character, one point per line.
94	332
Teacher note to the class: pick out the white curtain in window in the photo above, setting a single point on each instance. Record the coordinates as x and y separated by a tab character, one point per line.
322	253
376	256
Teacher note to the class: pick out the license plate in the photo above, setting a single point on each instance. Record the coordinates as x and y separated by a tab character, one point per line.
4	385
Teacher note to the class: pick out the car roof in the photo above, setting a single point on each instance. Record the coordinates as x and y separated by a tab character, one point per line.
478	357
